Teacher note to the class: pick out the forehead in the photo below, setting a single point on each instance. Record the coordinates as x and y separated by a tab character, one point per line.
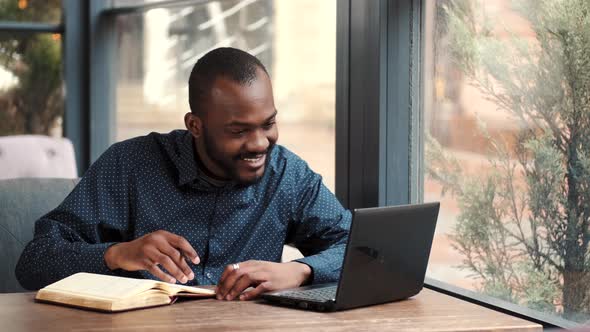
249	102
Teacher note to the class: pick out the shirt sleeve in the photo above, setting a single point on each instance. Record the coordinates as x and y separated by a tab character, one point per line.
320	226
74	237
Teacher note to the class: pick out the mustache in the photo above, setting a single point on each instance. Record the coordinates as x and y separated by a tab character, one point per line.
252	155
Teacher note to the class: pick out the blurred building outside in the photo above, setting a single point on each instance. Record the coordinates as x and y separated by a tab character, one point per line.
159	48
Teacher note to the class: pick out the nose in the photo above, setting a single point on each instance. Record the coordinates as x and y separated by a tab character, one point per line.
257	142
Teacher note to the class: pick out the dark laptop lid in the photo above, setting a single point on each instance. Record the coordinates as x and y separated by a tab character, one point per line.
387	254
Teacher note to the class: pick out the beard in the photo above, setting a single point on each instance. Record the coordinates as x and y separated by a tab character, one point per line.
229	164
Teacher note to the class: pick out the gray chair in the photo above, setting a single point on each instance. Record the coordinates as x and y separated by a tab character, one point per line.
22	202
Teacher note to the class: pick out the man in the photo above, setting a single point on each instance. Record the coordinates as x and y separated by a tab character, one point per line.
210	205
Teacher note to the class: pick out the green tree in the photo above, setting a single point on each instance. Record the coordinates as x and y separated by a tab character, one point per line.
523	228
35	102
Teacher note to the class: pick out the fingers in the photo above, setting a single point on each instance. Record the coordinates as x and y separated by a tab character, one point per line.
228	269
238	287
169	250
262	288
154	269
233	282
170	266
228	279
160	247
184	246
179	261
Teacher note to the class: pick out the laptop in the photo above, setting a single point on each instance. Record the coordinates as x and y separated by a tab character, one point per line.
385	260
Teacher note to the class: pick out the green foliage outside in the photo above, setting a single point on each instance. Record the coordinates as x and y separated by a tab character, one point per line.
523	227
35	102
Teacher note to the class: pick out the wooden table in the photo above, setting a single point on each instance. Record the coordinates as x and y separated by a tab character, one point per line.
428	311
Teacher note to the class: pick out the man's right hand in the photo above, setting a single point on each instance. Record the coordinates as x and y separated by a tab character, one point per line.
149	252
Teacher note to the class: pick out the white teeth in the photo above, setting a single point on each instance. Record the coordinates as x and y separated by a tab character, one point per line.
252	159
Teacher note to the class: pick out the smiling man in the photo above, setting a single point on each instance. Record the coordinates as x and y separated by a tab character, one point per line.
213	204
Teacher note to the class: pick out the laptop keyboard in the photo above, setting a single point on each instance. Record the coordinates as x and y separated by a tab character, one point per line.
314	294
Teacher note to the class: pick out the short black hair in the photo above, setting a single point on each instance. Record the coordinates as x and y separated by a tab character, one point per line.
228	62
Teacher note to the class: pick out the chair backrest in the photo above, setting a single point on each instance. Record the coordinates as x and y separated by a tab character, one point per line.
36	156
22	202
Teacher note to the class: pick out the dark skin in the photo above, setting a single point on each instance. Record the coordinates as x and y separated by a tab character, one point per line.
232	138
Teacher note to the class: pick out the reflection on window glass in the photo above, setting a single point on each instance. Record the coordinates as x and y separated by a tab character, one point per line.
40	11
507	132
31	85
158	48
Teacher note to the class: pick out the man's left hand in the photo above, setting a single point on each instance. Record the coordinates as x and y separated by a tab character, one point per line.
264	276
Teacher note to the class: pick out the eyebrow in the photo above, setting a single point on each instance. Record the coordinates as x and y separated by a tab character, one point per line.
245	124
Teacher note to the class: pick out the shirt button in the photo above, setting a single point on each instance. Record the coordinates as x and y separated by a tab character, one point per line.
208	275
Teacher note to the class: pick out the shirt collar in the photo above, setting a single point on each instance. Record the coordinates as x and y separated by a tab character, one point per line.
186	162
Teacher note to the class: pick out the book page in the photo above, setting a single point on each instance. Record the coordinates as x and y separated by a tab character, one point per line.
101	286
173	289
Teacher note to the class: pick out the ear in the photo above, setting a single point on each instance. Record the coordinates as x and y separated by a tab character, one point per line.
193	124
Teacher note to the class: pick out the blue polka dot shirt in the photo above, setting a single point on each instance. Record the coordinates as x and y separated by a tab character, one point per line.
152	183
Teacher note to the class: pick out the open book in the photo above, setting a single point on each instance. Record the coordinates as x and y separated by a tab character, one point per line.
111	293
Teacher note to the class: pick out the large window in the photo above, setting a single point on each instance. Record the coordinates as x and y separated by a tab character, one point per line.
158	48
507	149
31	84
